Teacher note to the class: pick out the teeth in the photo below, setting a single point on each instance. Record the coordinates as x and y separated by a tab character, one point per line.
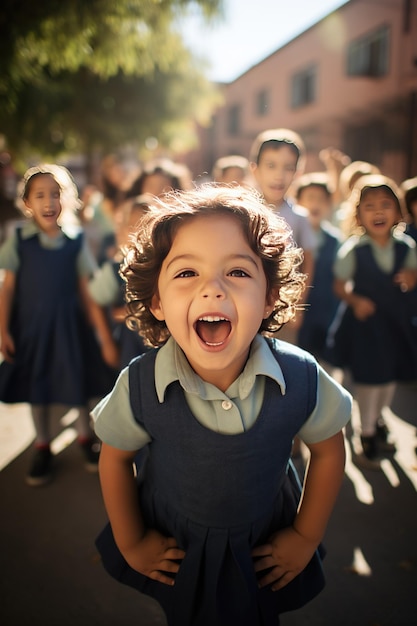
212	318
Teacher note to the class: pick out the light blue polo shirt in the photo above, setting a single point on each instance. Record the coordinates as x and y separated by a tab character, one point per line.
345	263
231	412
9	256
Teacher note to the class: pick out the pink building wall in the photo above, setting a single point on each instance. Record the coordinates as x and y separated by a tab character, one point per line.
346	109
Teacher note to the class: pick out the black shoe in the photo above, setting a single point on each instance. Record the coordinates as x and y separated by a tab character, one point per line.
383	435
91	451
368	458
40	471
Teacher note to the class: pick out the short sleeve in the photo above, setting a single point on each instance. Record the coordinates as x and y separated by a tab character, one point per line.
332	412
303	232
410	262
345	263
9	257
86	264
113	419
103	286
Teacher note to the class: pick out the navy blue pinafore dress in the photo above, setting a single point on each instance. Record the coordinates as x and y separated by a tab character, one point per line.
57	358
382	348
220	496
322	302
129	341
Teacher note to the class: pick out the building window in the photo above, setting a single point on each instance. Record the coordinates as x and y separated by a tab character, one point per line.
262	102
368	56
303	87
233	126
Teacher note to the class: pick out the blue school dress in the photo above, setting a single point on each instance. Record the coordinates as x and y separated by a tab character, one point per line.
57	359
382	348
130	343
322	302
249	489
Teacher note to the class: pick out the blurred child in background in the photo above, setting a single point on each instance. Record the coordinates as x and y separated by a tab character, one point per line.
409	189
232	169
277	157
375	333
312	191
49	325
107	287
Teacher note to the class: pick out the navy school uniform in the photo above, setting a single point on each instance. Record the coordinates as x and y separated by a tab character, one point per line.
382	348
58	359
249	490
322	302
130	342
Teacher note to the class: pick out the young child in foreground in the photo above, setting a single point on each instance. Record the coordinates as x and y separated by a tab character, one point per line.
212	527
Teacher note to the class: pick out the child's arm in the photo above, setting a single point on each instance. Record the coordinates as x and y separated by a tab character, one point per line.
6	302
146	550
290	550
406	279
97	317
362	307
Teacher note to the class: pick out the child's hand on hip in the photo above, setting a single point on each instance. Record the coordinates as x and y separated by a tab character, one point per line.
155	556
287	554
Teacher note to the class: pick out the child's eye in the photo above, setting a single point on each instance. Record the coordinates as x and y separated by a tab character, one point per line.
185	274
239	273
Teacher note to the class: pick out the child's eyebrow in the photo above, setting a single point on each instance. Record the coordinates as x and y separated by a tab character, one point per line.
232	257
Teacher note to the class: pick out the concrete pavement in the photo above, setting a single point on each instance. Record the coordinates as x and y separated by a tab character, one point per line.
51	574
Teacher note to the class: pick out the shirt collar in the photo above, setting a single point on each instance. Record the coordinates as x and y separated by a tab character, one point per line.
30	228
171	365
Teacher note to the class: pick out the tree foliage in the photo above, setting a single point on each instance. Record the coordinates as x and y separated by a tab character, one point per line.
79	75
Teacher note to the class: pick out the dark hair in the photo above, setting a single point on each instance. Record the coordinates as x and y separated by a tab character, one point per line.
368	184
177	174
267	234
409	189
319	180
70	202
352	172
277	138
225	163
32	178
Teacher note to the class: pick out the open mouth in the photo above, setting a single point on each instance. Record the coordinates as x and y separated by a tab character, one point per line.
213	329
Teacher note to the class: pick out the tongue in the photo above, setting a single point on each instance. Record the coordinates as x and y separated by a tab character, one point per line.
213	332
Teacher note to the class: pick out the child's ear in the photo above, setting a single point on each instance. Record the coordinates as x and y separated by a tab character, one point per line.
156	308
269	305
27	210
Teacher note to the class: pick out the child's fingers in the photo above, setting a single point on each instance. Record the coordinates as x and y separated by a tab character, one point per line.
263	550
175	554
162	578
264	563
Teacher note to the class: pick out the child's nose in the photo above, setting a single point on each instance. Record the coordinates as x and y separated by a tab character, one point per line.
213	288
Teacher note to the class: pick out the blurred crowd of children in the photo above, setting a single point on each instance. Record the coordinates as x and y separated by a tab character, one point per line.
62	308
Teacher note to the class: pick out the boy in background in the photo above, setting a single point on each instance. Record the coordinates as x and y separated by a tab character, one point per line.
277	157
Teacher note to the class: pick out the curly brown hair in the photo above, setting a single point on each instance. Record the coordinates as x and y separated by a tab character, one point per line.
266	233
